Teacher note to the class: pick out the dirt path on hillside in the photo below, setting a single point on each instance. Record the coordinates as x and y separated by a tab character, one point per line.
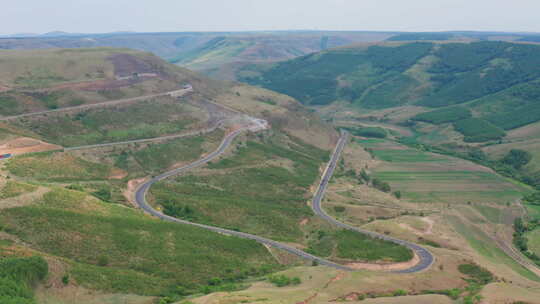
129	193
385	267
22	145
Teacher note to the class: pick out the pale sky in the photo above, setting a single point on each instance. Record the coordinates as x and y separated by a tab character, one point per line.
98	16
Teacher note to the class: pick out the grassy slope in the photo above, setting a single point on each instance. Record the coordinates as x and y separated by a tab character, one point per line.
146	119
263	190
57	166
494	79
142	255
262	199
224	55
49	79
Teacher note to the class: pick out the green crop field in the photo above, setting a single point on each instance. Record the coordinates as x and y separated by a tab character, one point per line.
490	213
407	156
426	177
451	186
130	252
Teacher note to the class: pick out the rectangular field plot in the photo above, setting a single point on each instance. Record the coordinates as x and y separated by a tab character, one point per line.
427	177
407	155
450	186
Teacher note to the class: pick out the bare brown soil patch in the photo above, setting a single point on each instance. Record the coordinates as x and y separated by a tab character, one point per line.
57	270
117	173
528	131
24	145
127	65
385	266
73	294
283	257
132	185
504	293
308	300
95	85
420	299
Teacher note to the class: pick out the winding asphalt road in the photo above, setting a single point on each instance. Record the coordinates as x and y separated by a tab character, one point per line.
140	198
426	258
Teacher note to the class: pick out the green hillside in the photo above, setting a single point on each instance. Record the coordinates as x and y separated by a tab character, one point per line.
476	99
223	56
75	207
128	251
389	75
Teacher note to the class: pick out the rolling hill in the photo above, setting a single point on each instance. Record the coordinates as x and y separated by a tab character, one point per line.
480	91
78	98
87	126
214	53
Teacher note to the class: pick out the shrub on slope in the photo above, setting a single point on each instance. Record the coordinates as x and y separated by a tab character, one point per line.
478	130
445	115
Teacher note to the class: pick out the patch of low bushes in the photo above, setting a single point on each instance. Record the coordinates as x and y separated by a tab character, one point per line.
18	276
478	130
446	115
281	280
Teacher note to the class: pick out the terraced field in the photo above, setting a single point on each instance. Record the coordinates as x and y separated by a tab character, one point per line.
427	177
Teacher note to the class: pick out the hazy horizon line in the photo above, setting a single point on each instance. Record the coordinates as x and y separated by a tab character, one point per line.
61	32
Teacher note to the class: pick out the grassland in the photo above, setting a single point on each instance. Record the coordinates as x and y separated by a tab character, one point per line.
116	249
356	247
57	167
49	79
262	189
157	157
484	245
533	211
13	188
147	119
533	243
445	115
